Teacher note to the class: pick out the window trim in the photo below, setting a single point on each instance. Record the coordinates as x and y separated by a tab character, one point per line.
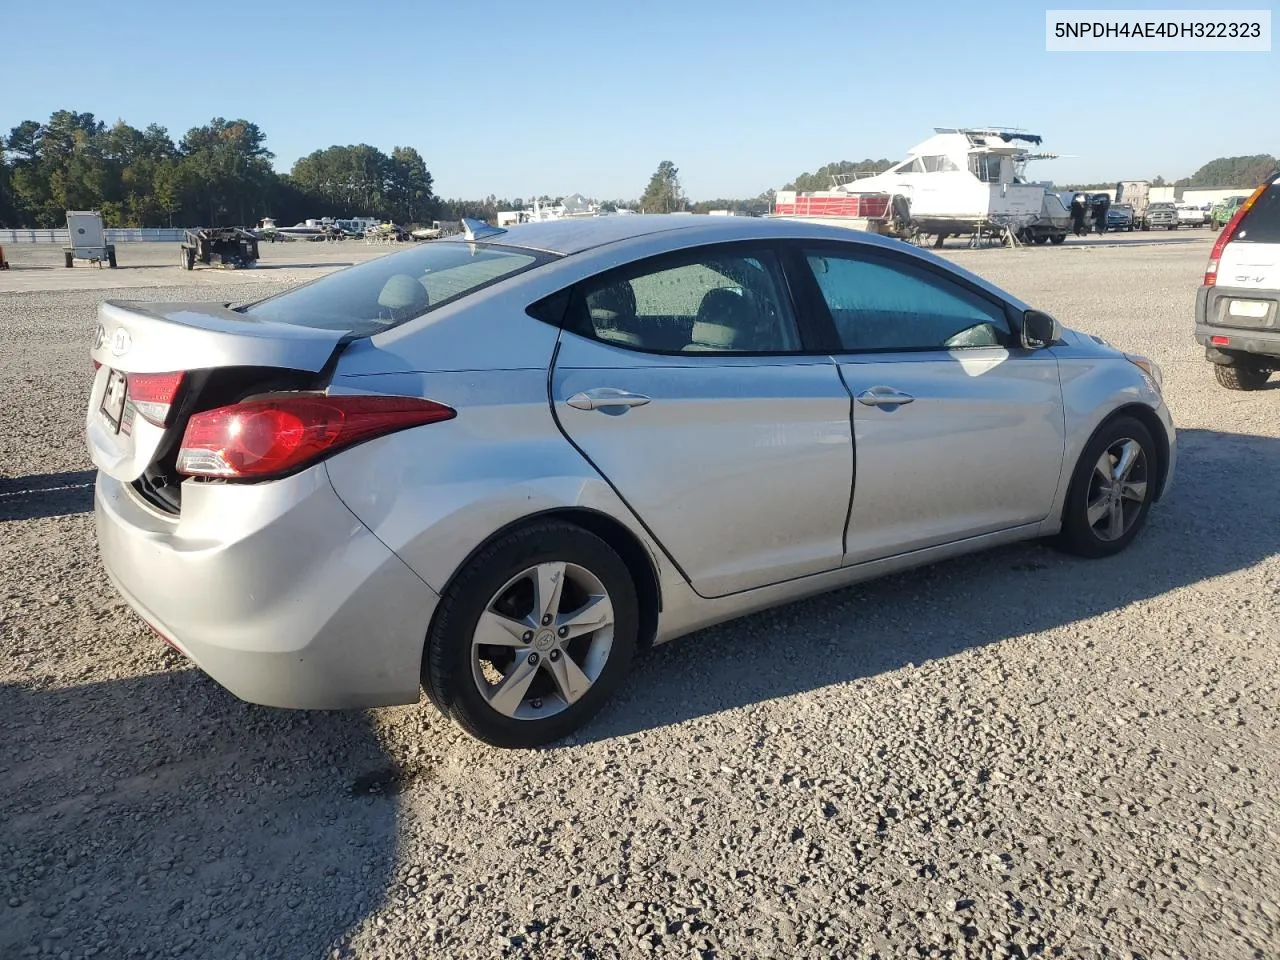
812	337
818	309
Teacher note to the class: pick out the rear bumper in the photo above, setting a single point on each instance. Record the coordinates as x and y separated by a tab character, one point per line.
275	590
1255	335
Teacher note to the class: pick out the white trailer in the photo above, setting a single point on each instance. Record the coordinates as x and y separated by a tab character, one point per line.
1136	193
88	239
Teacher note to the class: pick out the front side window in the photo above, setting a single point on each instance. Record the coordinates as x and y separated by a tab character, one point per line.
386	292
879	305
715	303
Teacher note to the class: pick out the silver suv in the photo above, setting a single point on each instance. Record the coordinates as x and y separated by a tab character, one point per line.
1238	306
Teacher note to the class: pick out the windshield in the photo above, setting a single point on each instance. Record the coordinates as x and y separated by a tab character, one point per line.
394	289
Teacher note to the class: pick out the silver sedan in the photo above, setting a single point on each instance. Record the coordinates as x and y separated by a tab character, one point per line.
497	466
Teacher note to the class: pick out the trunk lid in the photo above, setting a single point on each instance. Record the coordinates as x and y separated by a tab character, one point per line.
223	356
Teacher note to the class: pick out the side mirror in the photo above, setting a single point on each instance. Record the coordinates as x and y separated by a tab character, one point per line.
1039	330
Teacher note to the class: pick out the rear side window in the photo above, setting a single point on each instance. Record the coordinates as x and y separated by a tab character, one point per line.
391	290
1262	223
718	302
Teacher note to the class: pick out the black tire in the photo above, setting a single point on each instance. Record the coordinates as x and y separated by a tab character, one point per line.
111	257
1042	239
1078	535
1058	238
188	258
68	258
1241	376
447	661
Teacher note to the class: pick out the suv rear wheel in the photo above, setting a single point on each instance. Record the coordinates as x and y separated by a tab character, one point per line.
1242	375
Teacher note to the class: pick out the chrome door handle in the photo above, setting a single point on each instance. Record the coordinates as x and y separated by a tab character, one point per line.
884	397
606	397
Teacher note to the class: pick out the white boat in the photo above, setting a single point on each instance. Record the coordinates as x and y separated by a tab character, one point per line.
307	230
961	180
571	208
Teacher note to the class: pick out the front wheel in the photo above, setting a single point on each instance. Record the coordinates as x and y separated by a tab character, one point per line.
533	636
1111	490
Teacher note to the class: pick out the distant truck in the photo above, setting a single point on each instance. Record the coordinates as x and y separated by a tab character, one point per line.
1137	194
1224	210
88	239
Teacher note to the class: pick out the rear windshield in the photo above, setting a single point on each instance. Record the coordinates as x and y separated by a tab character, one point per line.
1262	223
394	289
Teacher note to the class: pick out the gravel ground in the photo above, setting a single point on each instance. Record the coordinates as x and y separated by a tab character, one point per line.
1010	755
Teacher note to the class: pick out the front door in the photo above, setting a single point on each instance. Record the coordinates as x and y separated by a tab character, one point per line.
686	383
958	430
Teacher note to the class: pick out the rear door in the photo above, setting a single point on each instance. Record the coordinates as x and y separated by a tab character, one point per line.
958	432
687	382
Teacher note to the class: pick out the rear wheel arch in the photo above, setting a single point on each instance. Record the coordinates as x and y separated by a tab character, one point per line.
624	542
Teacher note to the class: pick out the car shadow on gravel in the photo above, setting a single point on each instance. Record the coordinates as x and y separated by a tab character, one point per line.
1220	516
161	816
46	495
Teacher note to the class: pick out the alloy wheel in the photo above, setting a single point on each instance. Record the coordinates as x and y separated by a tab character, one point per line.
1117	489
543	641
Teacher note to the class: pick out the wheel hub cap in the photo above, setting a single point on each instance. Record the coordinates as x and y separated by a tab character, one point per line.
542	641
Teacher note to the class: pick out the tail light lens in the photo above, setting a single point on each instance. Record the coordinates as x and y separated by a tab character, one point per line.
274	435
153	394
1211	270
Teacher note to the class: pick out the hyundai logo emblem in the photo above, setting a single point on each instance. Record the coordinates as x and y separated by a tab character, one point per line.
121	341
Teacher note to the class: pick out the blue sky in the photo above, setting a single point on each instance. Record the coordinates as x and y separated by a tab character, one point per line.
556	96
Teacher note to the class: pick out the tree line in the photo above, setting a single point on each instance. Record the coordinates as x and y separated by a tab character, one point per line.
216	174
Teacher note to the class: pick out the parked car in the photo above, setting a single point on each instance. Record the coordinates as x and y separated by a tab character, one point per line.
496	465
1238	305
1161	216
1224	210
1120	217
1190	215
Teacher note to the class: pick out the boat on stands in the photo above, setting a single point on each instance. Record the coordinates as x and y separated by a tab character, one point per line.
960	181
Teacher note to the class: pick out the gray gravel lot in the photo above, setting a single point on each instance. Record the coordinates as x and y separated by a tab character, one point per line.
1010	755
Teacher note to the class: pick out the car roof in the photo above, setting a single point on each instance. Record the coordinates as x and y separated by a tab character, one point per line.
576	235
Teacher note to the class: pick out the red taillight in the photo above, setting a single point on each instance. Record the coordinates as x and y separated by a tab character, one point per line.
275	435
1220	341
97	365
1211	270
153	394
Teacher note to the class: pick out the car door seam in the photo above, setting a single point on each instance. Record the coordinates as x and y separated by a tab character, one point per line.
853	452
